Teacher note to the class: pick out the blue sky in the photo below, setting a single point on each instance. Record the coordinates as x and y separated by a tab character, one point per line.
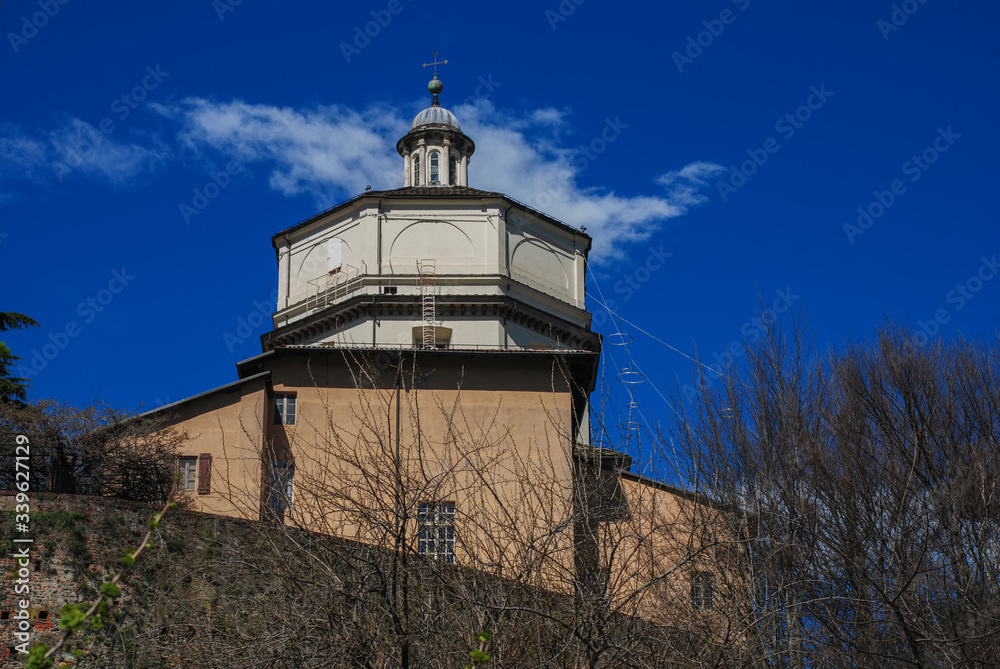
715	150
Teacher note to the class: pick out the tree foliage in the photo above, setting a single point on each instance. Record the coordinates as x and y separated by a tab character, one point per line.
12	387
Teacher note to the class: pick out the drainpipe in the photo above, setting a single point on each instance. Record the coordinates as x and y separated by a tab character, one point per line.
378	239
506	269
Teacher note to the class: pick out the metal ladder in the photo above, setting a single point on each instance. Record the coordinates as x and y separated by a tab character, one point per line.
427	271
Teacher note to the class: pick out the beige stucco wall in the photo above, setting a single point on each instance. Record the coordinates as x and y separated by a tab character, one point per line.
493	437
652	554
228	426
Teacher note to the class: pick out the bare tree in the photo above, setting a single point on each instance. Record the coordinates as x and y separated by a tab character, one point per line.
93	450
866	484
399	523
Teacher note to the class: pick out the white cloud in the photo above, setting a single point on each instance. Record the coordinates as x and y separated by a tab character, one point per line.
683	185
328	152
80	147
75	147
333	152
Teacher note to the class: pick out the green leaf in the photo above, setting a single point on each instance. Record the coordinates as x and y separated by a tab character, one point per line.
72	616
36	658
111	590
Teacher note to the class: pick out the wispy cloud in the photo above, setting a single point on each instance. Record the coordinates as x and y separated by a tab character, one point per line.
328	151
684	185
75	148
331	152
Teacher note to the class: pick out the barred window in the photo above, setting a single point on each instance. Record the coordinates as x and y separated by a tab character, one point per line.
437	530
702	590
452	171
416	170
284	409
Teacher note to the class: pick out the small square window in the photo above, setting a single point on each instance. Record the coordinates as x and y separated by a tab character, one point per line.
437	530
187	468
284	409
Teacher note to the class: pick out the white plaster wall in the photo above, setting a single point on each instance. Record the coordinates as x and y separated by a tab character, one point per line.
545	258
466	332
476	247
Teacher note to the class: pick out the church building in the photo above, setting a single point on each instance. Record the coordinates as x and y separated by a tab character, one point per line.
428	376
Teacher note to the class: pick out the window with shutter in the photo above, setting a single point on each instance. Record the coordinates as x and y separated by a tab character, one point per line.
204	474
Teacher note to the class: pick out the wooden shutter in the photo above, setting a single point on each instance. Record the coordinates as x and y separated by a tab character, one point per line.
204	473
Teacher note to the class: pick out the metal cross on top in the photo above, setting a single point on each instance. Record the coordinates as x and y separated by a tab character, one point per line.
436	63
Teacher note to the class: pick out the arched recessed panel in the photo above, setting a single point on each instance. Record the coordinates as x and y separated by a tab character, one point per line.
319	258
536	260
432	239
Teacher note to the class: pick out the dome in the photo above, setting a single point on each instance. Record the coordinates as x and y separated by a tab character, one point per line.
435	116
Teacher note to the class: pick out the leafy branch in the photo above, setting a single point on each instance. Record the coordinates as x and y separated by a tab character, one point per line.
480	658
73	617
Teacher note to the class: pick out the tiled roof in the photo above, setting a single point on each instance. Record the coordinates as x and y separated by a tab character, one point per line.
433	190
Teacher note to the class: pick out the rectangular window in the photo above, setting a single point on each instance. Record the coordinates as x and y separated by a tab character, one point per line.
188	469
389	290
434	168
282	475
702	590
437	530
284	409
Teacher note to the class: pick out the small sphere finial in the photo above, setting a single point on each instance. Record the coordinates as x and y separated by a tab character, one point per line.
435	86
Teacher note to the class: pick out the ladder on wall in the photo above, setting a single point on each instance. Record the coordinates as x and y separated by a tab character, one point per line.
427	271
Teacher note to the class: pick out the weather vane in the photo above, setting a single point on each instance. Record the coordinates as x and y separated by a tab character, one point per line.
436	63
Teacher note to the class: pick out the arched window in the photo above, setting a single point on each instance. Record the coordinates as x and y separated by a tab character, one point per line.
434	167
453	171
416	170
